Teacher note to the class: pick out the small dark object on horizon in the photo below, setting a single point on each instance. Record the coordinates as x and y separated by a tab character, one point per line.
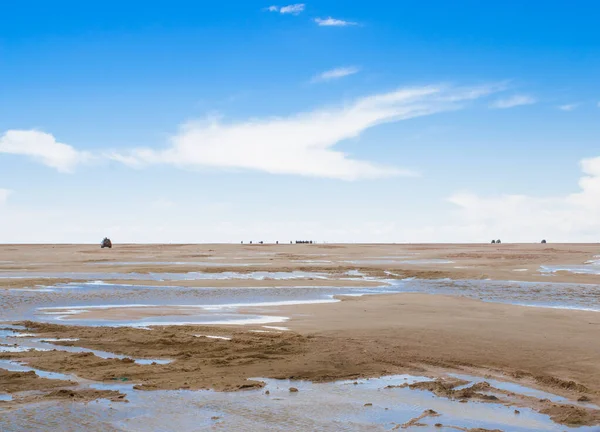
544	242
498	241
106	243
493	241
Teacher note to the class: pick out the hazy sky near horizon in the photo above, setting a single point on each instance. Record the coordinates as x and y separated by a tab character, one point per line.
380	121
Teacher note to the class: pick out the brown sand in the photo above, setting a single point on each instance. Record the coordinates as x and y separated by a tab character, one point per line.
31	282
475	261
45	389
554	350
85	395
558	348
417	420
550	349
12	382
228	283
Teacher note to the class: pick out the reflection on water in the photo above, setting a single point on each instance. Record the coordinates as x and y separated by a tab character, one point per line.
252	305
343	406
516	388
195	305
14	366
152	276
540	294
591	267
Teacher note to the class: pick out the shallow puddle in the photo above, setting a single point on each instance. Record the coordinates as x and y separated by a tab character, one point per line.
518	389
14	366
538	294
109	304
364	405
591	267
95	278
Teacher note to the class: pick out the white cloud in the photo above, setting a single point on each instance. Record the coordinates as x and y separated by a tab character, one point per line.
4	194
332	22
335	74
43	148
301	144
293	9
568	107
513	101
573	217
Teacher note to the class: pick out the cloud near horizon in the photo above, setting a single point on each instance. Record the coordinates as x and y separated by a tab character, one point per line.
333	22
302	144
573	217
513	101
294	9
336	73
43	148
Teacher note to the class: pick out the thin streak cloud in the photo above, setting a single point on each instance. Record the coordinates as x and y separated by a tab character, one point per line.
513	101
333	22
336	73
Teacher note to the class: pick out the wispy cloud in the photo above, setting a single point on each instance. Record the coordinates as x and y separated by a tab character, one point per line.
293	9
43	148
513	101
335	74
304	143
568	107
333	22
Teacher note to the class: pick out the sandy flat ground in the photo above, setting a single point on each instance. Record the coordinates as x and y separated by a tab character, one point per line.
551	349
471	261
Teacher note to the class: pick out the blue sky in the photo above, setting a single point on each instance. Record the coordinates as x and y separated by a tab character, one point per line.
376	121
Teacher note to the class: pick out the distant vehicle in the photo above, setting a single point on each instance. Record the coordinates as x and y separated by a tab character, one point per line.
106	243
544	242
